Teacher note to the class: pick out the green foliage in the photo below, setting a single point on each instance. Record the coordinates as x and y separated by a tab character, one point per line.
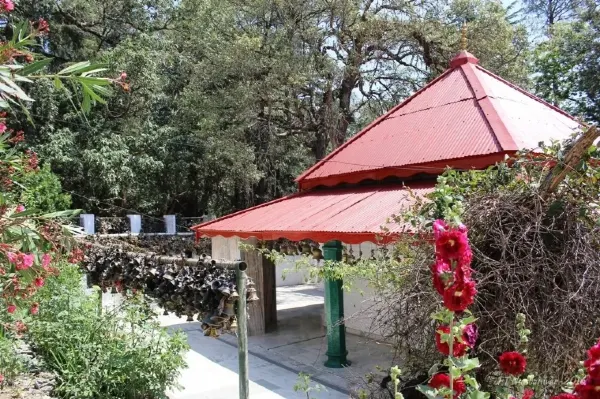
304	384
11	363
122	353
228	103
43	191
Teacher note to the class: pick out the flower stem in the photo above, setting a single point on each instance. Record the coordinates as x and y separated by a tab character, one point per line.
450	355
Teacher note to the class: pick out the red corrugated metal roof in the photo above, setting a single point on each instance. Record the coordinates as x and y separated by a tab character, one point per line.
466	112
351	215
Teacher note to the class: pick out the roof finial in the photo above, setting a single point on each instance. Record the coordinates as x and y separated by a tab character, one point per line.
463	37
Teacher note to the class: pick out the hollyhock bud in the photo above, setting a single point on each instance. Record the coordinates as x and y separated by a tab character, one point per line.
11	309
35	308
512	363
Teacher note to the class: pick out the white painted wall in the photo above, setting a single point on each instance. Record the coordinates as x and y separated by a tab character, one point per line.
359	305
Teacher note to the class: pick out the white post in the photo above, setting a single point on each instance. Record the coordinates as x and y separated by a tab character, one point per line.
171	226
135	221
87	221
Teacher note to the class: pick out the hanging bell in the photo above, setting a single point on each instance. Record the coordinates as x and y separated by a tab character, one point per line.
213	333
234	294
215	285
317	253
113	290
229	310
190	317
251	295
233	326
305	249
207	321
165	312
224	289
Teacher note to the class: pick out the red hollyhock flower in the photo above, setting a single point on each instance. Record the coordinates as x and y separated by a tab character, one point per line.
441	380
442	276
528	393
470	335
39	282
564	395
589	388
11	309
512	363
458	348
451	244
460	295
592	364
439	226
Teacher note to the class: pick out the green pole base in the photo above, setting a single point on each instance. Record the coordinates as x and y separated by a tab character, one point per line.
337	361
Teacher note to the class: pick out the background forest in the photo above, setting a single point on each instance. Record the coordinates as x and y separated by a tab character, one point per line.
227	101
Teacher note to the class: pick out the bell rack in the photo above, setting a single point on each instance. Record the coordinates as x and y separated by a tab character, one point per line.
242	316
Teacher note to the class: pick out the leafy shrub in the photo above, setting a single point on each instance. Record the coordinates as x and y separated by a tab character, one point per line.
122	353
43	191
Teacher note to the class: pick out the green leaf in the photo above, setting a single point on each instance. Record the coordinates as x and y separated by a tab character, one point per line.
58	83
466	364
476	394
35	66
61	214
77	67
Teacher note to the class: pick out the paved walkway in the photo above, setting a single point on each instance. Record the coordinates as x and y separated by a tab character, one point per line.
299	344
212	374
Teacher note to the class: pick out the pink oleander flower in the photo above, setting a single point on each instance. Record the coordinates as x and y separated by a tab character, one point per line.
28	260
39	282
12	257
7	5
11	308
46	259
20	208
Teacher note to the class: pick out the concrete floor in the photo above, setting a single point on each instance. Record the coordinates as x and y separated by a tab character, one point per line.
298	345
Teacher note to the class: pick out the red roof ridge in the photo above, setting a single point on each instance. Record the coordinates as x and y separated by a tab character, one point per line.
528	94
498	127
463	57
209	222
371	125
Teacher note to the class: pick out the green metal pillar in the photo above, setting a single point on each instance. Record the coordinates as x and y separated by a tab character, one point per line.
334	311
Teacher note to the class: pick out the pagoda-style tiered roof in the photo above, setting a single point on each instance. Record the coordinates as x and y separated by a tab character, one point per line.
466	118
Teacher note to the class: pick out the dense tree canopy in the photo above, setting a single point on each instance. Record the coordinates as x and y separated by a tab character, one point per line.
226	101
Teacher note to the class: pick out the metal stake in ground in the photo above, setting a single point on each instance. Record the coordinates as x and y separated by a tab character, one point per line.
242	330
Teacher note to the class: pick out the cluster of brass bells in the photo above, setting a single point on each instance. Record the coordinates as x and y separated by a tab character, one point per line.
224	318
289	248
